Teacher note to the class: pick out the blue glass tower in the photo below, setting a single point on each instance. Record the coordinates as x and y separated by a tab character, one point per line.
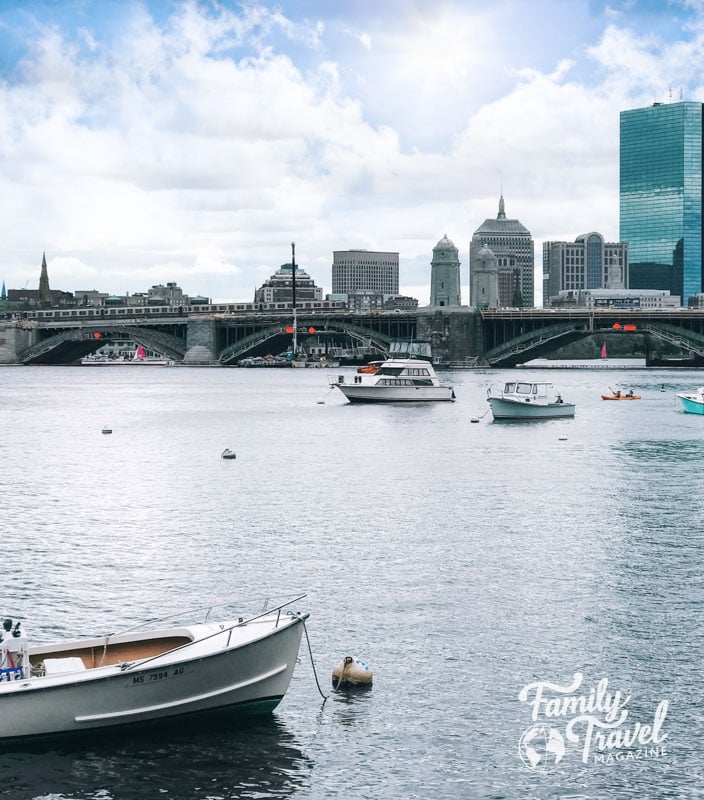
661	196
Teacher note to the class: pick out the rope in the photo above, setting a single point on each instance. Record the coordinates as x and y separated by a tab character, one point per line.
312	663
322	399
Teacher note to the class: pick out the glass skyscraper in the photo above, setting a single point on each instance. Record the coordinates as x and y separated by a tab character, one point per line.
661	196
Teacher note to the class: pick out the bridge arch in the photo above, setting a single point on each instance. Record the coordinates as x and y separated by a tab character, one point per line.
73	344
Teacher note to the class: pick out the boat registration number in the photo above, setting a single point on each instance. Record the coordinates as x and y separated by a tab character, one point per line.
161	675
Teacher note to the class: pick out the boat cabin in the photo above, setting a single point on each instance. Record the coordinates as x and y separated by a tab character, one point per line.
527	389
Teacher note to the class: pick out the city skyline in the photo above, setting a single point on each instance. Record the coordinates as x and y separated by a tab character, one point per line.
146	142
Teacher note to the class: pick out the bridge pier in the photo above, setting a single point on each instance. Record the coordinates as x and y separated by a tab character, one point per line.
201	341
16	336
455	334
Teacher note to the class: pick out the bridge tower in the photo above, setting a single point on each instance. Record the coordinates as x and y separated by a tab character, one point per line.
445	274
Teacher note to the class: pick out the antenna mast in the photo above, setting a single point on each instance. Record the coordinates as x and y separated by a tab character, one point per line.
293	286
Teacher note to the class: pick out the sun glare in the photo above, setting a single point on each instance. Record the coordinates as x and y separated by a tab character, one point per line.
440	50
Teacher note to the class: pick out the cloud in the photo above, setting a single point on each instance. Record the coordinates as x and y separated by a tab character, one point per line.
197	148
362	37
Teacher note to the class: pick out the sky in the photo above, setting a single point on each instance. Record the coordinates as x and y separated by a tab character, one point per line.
147	141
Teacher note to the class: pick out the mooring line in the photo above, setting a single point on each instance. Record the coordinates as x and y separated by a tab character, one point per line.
312	662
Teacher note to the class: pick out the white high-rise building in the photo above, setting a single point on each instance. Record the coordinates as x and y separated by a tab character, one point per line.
364	271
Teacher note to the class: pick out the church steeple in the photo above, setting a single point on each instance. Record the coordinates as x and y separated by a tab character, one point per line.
44	291
502	210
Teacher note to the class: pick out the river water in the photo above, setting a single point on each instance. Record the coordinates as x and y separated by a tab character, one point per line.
463	561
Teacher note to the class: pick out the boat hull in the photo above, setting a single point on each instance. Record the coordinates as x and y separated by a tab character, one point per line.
511	409
622	397
690	405
359	393
246	678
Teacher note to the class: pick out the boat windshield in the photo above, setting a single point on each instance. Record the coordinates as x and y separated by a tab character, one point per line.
390	370
524	388
509	388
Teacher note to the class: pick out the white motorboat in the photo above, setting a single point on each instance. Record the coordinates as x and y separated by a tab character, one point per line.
692	402
396	380
528	400
242	666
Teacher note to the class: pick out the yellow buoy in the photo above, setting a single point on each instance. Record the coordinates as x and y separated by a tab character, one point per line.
351	671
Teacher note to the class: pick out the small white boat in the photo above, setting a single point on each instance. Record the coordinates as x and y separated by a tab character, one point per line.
692	402
396	380
528	400
242	666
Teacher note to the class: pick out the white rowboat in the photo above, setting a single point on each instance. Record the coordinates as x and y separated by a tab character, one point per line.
242	666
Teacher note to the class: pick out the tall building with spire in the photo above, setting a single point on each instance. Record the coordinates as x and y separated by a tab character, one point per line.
512	244
44	290
445	274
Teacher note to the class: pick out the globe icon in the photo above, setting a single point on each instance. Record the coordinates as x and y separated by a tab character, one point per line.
541	747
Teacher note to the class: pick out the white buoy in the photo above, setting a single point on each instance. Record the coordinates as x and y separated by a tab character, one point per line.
351	671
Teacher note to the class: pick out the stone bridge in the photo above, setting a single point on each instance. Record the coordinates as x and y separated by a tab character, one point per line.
458	336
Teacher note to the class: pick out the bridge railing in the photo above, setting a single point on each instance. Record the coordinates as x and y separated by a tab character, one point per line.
672	335
248	342
529	341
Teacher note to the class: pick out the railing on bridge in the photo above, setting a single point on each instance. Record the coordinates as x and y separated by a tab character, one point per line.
535	340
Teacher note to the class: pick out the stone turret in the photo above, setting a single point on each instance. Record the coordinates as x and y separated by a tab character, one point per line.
485	280
445	274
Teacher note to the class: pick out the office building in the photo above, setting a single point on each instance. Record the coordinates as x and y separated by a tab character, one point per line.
661	196
512	244
279	288
364	271
616	298
587	263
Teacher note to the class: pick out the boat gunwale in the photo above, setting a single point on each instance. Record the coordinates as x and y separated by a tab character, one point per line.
130	636
110	672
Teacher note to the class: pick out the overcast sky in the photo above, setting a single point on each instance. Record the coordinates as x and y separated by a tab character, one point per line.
154	141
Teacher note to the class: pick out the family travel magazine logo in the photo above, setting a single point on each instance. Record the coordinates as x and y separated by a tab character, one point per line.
596	720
